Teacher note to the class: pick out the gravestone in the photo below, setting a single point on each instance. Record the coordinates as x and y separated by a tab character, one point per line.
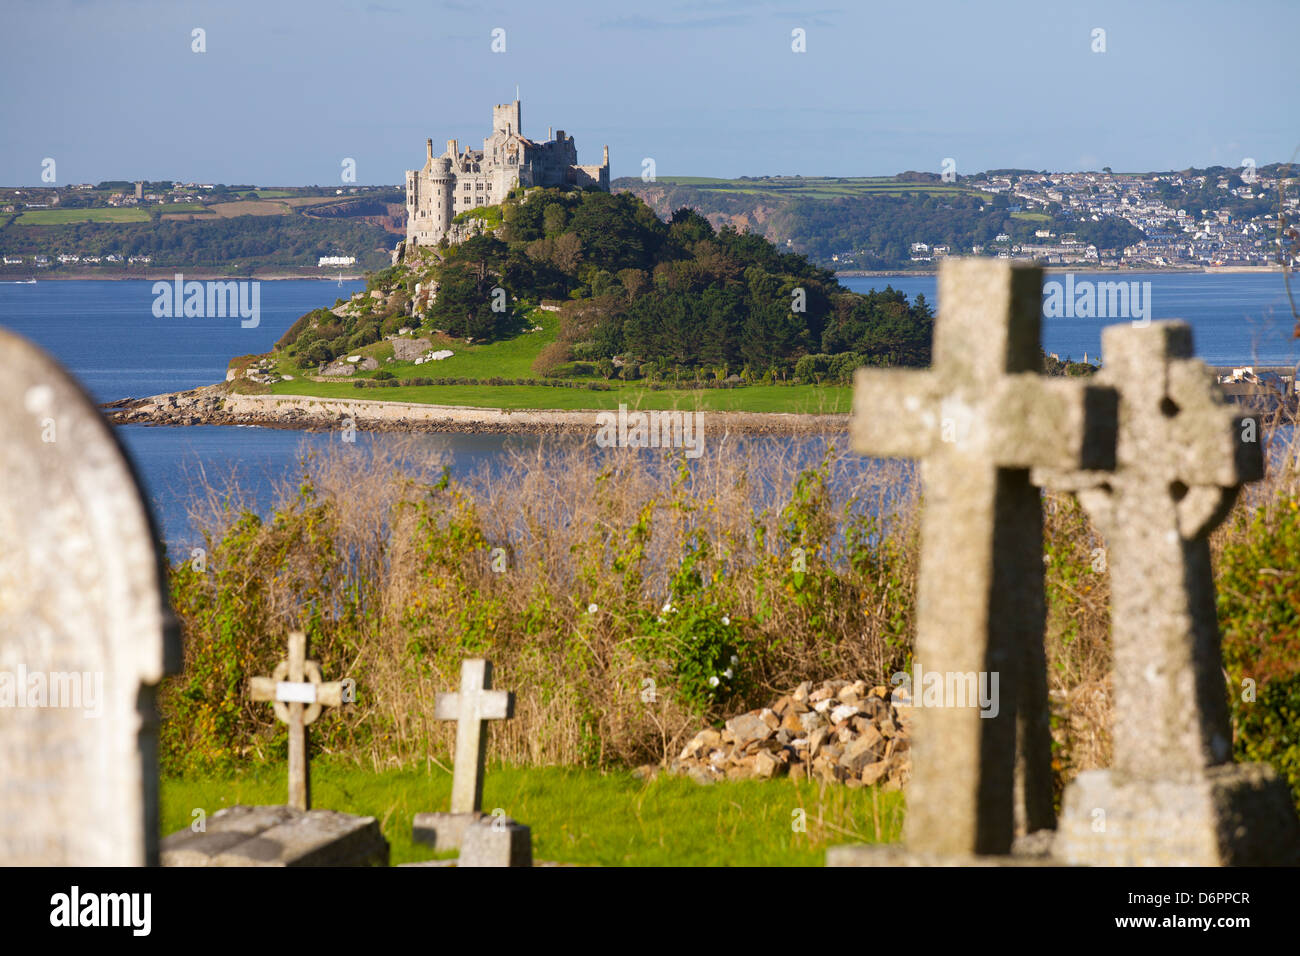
294	834
979	419
472	707
496	841
278	836
85	630
1173	794
298	693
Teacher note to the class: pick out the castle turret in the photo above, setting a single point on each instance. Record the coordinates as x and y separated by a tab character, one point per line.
428	149
442	188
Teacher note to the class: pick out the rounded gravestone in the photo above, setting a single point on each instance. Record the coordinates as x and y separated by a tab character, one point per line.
85	630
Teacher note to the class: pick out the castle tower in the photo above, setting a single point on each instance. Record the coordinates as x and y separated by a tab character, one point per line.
441	187
507	118
429	193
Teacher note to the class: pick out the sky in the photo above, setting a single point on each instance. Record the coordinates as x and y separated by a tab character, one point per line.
286	90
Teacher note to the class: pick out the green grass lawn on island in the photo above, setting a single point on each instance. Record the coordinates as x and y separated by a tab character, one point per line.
584	816
513	359
802	399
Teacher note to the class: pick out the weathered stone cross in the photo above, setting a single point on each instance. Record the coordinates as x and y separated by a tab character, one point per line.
298	693
1182	453
471	707
1180	461
979	419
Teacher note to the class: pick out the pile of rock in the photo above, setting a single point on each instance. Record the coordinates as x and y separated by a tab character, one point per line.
406	350
839	731
436	355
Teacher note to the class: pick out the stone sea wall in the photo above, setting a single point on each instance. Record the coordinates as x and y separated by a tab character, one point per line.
215	405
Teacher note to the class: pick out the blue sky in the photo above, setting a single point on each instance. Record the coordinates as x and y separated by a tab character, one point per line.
289	88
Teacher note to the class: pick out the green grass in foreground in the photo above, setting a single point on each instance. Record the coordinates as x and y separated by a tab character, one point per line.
585	816
800	399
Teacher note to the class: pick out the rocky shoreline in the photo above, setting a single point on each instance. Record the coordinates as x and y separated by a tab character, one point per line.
217	405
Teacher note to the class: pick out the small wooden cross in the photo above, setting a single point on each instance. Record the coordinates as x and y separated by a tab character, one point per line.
979	419
471	707
298	693
1182	454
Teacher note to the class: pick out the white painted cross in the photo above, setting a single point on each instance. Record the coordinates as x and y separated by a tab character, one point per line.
471	707
298	693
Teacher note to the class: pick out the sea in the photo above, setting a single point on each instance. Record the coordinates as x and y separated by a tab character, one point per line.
106	334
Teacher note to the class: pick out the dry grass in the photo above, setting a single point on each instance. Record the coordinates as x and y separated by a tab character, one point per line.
392	573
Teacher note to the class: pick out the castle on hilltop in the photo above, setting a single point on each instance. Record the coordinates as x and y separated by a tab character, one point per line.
459	180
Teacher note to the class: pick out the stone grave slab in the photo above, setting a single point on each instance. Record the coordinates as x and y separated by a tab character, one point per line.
443	831
279	836
496	841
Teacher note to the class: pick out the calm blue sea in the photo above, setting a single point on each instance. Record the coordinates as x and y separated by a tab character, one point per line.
1236	318
105	333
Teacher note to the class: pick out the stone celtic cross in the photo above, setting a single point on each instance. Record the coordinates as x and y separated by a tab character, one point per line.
1180	461
1172	794
471	707
296	689
979	419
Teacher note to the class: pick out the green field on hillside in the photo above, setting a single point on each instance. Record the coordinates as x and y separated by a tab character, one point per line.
584	817
817	187
58	217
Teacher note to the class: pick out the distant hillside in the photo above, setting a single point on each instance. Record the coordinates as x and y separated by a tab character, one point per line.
229	230
865	222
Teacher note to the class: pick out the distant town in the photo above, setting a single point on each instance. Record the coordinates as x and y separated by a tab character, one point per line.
1176	236
1240	218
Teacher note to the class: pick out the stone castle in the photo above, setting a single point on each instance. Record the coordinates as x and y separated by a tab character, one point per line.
462	179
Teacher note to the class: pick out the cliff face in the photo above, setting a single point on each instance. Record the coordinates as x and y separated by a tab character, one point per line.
740	211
